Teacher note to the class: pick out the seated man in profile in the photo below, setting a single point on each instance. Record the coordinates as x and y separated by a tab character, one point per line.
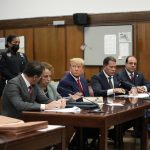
22	93
105	83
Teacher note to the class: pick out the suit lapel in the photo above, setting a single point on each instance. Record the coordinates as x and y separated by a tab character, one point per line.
126	77
74	84
104	81
24	88
136	78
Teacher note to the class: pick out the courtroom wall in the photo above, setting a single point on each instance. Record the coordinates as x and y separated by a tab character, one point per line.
37	8
57	44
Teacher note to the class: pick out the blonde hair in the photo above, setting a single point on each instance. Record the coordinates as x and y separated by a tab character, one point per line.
48	66
77	61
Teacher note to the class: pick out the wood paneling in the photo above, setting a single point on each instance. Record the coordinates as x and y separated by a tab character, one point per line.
49	46
1	33
57	44
143	48
74	39
90	71
28	33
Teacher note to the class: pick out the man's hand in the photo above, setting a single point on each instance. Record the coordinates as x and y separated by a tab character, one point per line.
141	89
76	96
119	90
133	91
61	103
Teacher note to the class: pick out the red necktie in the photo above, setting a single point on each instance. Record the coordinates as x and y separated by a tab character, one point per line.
80	86
30	91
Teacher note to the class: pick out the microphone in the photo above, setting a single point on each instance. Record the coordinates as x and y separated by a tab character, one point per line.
79	96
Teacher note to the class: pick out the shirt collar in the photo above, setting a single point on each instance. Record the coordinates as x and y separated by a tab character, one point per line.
129	73
107	76
74	76
25	80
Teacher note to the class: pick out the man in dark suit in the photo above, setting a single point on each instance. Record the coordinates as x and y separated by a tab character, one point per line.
74	83
134	79
22	93
105	83
131	76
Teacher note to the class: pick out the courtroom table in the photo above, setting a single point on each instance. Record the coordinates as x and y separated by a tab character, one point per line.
110	115
33	140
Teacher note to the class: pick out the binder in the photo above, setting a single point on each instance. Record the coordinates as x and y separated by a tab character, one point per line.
14	126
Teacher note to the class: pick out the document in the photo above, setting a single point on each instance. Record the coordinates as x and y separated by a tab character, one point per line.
140	95
110	44
74	109
115	104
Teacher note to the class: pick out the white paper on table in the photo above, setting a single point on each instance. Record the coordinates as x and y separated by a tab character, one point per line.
140	95
115	104
51	127
73	109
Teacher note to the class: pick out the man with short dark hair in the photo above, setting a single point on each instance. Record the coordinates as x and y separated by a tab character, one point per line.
22	93
134	78
105	83
130	76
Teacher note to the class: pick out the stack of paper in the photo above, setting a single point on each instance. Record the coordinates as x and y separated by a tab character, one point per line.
16	127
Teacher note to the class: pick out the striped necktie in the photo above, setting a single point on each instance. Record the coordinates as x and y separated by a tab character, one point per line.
132	76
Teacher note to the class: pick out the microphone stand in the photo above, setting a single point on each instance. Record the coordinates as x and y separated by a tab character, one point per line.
99	109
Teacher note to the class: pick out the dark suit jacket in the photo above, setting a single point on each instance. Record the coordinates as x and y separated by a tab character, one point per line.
68	85
138	80
16	98
100	84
